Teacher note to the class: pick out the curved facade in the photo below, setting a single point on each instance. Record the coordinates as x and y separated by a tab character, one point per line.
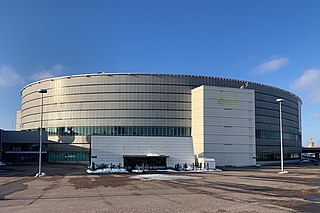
151	105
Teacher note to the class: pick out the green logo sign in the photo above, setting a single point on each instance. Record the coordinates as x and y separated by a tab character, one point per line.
228	102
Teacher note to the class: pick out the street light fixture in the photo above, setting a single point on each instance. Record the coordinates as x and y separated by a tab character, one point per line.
280	100
41	91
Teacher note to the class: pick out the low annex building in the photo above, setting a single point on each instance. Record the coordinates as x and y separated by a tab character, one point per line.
22	146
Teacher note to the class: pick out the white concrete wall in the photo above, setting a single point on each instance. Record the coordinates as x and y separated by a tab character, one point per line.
227	125
111	149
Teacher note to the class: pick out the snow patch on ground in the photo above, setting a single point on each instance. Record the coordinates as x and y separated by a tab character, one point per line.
175	171
122	170
107	170
203	170
163	177
2	164
42	174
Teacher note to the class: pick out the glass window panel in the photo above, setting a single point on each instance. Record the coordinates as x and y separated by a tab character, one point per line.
154	131
130	130
103	130
112	130
134	130
139	130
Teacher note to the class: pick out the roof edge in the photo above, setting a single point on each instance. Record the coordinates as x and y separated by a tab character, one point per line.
153	74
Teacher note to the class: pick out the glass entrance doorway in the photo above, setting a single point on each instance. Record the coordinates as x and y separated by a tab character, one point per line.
145	162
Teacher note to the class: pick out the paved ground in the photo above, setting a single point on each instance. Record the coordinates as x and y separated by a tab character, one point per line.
68	188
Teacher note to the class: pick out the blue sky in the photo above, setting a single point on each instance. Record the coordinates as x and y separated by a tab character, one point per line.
275	42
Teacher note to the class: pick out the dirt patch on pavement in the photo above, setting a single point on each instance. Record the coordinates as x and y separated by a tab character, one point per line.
96	181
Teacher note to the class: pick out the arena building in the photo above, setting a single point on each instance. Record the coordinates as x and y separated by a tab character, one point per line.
161	119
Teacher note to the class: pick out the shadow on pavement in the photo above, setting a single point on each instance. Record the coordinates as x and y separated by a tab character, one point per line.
30	169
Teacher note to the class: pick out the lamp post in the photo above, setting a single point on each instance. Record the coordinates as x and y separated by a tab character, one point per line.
41	91
280	100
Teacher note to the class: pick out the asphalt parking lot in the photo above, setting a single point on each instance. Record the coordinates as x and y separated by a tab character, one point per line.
67	188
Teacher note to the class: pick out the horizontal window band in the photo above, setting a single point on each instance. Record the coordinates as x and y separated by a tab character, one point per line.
276	96
273	124
176	84
277	111
277	117
94	93
169	131
277	104
102	118
92	110
275	135
109	101
119	84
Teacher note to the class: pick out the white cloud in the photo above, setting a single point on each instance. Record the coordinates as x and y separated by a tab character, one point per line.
8	76
271	65
47	73
309	82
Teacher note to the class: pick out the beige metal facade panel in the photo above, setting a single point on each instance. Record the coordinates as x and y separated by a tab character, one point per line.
18	120
107	106
112	113
229	149
228	113
225	121
106	100
233	159
226	138
228	125
197	112
228	94
111	149
116	96
228	130
113	122
225	104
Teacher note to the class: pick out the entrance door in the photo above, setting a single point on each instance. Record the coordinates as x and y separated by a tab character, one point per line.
145	162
